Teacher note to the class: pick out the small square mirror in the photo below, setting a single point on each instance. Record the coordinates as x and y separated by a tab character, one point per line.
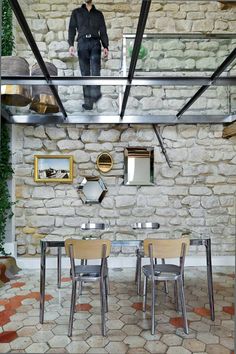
139	166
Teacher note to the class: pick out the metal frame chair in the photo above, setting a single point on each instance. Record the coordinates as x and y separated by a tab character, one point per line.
165	249
88	249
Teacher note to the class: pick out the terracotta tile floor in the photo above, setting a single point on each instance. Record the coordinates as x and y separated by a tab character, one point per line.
128	328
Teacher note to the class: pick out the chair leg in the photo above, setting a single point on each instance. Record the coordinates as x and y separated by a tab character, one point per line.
183	305
136	268
153	308
106	285
102	299
144	293
176	296
72	307
139	266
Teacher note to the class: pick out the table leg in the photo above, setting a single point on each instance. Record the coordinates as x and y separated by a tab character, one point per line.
58	267
210	278
42	281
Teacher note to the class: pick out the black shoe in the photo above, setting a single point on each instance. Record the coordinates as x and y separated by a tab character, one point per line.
87	107
97	98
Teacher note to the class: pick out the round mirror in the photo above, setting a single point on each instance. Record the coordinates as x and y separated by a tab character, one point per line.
104	162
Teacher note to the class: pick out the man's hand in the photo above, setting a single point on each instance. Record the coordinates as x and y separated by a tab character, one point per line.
72	51
106	52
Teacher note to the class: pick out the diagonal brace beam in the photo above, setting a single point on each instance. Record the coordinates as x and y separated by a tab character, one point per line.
137	44
161	144
28	34
215	75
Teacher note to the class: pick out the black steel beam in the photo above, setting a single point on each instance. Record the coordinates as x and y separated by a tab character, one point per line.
136	48
119	81
116	119
28	34
231	57
163	149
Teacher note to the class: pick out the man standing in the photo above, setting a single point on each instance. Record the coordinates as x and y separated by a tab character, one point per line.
91	28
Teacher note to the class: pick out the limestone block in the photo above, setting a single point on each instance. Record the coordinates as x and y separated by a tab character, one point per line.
149	103
165	24
49	37
50	145
171	7
183	25
195	15
33	204
39	221
192	201
57	46
70	144
124	201
39	132
29	230
39	25
107	203
110	135
89	136
21	250
210	202
206	63
128	135
73	221
105	104
108	213
54	203
99	147
62	211
184	180
226	201
227	169
43	192
170	172
224	189
55	24
143	212
31	250
22	192
128	190
178	154
23	171
81	156
73	133
200	190
170	132
139	91
32	143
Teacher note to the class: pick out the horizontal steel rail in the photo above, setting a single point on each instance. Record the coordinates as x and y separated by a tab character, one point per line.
184	35
116	119
119	81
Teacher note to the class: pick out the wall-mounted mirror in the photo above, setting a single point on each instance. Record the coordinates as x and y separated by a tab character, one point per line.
104	162
92	190
139	166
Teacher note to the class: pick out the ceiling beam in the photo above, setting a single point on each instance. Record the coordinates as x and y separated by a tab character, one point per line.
116	119
118	81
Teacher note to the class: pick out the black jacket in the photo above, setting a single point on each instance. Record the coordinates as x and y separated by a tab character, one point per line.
86	22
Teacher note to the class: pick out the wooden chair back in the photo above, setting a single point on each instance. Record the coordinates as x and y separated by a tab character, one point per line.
87	249
170	248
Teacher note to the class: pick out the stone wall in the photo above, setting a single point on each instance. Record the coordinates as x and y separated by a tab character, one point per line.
197	194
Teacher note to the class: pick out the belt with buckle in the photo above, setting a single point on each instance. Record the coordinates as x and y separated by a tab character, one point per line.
88	36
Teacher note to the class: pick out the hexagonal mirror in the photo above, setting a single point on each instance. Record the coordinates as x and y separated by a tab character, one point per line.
92	190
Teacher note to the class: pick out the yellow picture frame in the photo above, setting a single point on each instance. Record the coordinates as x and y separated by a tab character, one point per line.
53	168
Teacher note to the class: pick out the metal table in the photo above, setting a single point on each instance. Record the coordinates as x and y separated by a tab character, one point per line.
126	243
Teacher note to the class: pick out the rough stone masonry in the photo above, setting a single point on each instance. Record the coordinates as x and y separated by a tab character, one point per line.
196	195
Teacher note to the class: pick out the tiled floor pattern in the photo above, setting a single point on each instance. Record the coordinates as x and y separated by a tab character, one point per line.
128	328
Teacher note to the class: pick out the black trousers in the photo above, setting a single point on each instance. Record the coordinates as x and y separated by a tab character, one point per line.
89	53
